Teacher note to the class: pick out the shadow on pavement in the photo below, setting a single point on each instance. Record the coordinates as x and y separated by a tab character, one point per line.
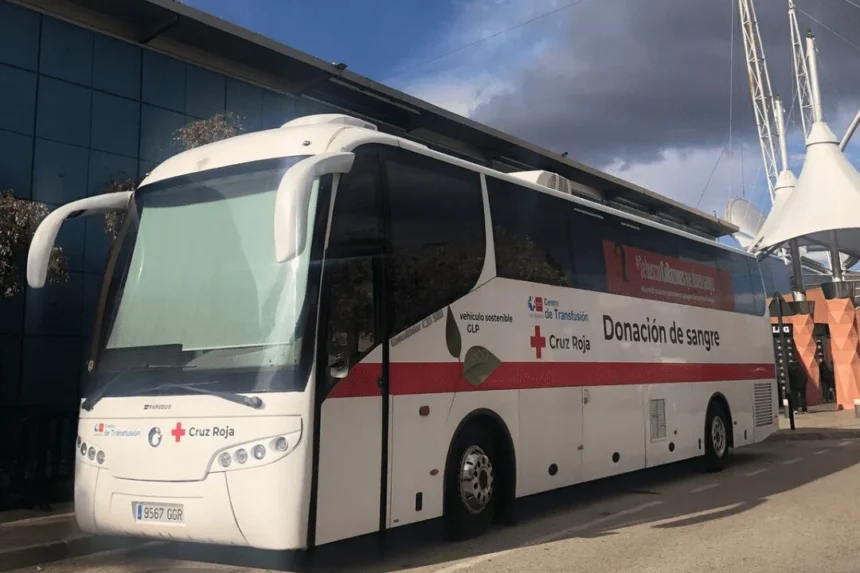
544	518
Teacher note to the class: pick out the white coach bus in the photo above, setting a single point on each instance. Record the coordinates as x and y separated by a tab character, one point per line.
321	331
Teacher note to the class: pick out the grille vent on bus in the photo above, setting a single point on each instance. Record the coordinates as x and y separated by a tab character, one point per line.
558	183
658	420
763	398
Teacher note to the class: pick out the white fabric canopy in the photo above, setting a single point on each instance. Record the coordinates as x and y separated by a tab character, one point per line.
825	198
785	184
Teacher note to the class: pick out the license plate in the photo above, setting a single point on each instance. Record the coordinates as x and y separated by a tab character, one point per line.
159	513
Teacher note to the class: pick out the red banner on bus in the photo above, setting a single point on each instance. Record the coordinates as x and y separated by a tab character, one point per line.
643	274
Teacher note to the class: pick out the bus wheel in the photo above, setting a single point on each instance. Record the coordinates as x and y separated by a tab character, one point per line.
471	483
716	437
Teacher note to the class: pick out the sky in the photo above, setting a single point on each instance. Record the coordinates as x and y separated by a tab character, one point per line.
654	92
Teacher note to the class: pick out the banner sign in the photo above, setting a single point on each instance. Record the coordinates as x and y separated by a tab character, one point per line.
643	274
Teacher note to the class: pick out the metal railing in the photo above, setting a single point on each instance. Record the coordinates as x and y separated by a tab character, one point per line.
37	466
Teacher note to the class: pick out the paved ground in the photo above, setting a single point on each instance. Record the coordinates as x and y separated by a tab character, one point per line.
33	536
781	506
20	527
821	418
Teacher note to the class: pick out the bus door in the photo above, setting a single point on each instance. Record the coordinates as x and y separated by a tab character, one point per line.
351	379
435	250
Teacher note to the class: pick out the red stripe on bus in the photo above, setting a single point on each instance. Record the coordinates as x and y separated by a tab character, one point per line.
445	377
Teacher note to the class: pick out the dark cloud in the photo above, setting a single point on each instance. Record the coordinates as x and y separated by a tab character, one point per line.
629	79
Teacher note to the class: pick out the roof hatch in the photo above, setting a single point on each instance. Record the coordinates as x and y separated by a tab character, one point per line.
558	183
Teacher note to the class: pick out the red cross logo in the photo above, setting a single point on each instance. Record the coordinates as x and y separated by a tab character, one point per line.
178	432
538	342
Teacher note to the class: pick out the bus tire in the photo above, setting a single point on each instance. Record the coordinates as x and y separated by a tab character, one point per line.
717	432
471	486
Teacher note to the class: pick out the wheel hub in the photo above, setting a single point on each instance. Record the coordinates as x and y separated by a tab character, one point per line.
477	481
718	436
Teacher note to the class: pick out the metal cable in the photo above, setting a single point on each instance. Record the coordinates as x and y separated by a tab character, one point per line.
484	39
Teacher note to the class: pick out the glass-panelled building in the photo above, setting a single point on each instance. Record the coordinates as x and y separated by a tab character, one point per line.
78	108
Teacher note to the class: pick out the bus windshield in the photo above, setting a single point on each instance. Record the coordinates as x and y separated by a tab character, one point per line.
196	295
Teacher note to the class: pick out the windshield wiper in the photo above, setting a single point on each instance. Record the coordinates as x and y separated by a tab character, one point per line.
254	402
91	402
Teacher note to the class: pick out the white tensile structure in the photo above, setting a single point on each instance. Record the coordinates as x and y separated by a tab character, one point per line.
771	129
824	206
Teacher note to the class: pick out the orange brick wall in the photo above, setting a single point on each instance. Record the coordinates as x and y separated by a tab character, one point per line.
844	322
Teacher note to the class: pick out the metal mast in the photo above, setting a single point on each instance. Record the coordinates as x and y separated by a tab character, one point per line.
760	90
801	71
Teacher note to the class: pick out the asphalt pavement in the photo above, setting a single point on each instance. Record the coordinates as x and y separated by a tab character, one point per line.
786	506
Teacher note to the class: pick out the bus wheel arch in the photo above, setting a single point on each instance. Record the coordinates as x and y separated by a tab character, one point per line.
481	438
719	432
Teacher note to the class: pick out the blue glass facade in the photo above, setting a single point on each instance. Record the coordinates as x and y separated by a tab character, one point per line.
78	108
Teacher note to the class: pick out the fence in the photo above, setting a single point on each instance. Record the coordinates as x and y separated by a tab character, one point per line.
38	464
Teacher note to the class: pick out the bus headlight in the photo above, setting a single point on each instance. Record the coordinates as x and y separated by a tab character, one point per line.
91	454
241	456
259	452
262	451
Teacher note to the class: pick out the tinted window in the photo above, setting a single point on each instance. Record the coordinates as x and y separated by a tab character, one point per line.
736	267
531	233
356	222
718	270
758	286
663	266
355	241
776	275
549	240
351	326
598	242
437	241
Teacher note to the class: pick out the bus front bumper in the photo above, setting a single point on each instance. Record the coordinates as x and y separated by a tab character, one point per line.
226	508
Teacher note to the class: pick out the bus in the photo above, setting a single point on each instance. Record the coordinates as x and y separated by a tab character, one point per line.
322	331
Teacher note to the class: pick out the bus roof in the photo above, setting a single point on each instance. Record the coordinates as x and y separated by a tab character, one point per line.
312	135
322	87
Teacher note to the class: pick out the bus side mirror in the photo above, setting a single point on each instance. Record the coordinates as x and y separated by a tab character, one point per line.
45	235
294	193
338	366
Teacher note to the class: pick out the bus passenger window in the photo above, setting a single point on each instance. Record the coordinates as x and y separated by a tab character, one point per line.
759	295
437	235
741	294
531	234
